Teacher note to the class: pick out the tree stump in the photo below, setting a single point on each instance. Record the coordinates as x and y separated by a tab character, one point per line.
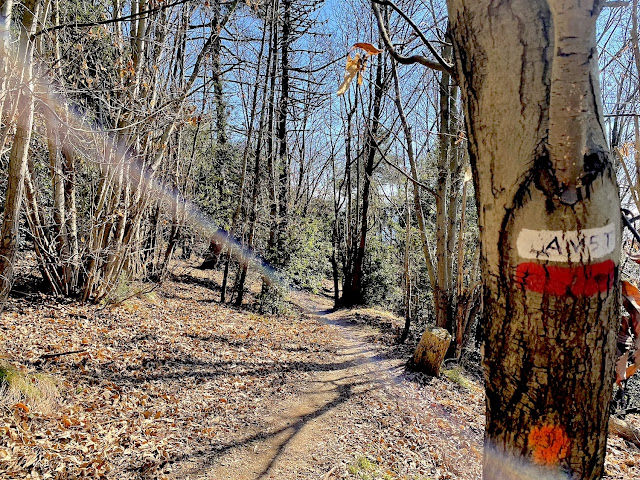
431	350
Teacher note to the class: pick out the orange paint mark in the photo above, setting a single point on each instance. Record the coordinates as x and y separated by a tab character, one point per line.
549	443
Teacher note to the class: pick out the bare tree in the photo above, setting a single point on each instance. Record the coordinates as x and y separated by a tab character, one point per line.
23	83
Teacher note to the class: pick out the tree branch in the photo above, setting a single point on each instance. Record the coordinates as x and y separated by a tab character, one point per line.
394	53
628	224
111	20
317	69
625	430
616	4
443	65
54	355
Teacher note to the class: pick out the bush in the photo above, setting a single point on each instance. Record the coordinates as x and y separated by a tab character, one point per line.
308	251
272	300
381	273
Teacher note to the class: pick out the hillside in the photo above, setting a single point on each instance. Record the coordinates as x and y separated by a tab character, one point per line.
171	384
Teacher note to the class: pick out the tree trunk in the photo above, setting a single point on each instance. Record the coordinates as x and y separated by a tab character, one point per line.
71	220
441	288
70	260
255	192
243	176
18	155
347	267
353	292
407	265
57	187
218	243
283	153
271	164
549	215
5	39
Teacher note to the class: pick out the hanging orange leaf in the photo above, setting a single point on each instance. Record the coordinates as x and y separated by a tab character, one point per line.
357	65
633	368
468	174
367	47
354	65
625	149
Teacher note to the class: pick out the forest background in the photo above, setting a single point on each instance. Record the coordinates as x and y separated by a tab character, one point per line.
137	131
133	131
145	132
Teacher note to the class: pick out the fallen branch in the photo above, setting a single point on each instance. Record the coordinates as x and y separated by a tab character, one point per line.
54	355
625	430
329	473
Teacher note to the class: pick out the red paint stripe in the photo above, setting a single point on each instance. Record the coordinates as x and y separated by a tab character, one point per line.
581	281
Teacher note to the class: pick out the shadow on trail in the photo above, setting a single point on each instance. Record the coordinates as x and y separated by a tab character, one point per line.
206	458
186	368
188	279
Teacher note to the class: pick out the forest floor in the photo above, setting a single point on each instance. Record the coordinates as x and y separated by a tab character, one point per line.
173	385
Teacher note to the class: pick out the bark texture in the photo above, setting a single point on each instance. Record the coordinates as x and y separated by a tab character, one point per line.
549	216
430	352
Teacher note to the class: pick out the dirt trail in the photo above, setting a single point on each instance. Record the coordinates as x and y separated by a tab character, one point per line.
298	431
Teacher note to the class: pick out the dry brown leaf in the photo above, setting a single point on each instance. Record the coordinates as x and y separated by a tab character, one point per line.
629	327
367	47
631	293
356	65
22	407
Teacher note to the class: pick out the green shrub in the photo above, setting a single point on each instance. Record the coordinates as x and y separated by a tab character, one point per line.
456	375
381	276
308	251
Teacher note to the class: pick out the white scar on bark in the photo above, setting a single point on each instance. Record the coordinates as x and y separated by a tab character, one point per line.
567	246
